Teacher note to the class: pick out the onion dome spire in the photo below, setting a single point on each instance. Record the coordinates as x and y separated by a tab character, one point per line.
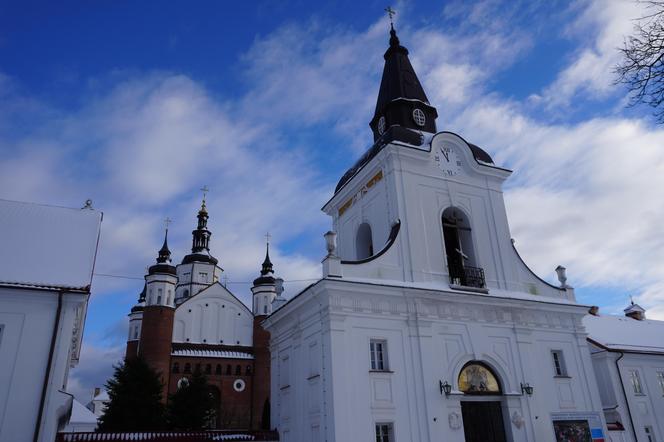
401	98
200	243
267	270
201	236
164	252
163	264
141	300
267	264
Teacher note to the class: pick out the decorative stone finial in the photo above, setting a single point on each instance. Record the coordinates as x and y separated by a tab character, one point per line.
331	243
562	277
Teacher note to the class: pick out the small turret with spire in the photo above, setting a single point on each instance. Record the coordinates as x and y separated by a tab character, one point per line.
265	286
163	257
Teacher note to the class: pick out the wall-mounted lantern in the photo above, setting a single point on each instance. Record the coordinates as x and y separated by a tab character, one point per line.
445	388
527	389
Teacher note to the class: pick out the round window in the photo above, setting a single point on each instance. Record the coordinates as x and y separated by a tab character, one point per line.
381	125
419	117
239	385
183	382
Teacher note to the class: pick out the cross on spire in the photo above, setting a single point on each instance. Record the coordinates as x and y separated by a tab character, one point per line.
268	237
391	12
205	189
167	222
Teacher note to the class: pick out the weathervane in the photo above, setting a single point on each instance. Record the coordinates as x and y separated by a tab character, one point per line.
391	13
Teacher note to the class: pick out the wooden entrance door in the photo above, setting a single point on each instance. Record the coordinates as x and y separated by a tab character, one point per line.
483	421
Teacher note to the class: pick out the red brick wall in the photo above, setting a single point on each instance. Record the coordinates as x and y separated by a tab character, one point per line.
155	343
235	409
132	349
261	390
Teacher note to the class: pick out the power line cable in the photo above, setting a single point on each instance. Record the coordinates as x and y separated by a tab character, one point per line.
107	275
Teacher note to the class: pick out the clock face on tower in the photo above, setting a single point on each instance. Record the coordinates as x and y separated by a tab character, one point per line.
448	160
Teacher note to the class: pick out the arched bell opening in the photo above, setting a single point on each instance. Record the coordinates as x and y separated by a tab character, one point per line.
364	242
459	249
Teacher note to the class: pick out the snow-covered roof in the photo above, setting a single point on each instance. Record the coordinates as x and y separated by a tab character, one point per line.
174	436
626	334
212	353
47	246
102	396
81	415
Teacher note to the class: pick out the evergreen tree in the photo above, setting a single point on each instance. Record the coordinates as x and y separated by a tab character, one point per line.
193	405
135	399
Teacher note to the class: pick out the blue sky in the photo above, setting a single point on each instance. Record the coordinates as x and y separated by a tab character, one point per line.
137	105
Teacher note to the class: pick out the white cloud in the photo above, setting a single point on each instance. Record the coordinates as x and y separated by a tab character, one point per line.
601	26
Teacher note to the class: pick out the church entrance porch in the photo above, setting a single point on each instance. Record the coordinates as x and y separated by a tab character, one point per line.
483	421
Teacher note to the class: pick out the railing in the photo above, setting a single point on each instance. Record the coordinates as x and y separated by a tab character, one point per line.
467	276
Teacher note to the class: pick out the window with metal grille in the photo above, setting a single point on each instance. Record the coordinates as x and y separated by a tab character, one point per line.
378	351
384	432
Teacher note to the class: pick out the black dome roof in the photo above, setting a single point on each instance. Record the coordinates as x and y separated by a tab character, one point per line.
480	154
397	133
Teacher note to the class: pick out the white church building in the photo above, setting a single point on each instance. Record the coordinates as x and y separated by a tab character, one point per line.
427	325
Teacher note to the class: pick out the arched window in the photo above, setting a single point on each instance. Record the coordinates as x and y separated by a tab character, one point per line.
364	242
176	367
238	371
477	378
248	371
187	367
459	249
158	299
218	369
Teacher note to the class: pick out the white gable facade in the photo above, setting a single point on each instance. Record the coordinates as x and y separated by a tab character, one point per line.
213	316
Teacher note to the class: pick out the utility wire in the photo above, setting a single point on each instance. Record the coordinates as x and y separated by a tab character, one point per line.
106	275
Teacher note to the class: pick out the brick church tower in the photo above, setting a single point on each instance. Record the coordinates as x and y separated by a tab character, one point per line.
265	290
158	314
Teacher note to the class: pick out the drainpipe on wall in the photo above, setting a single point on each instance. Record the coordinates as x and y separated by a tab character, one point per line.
629	412
47	376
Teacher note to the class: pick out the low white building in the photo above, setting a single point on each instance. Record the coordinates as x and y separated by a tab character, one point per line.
427	325
99	402
628	358
47	257
81	419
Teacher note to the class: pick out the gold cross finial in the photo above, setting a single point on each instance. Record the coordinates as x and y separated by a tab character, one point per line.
391	13
167	222
205	190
